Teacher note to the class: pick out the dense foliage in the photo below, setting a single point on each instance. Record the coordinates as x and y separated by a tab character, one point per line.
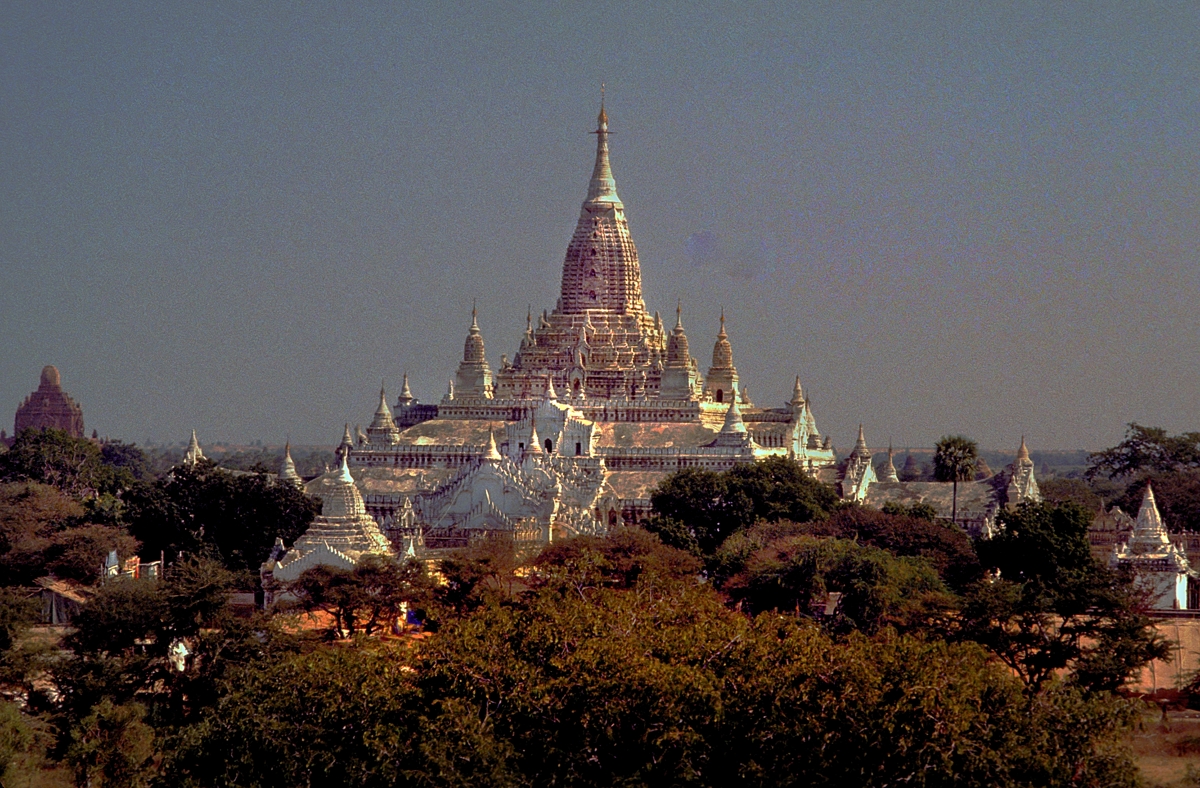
201	508
697	510
757	632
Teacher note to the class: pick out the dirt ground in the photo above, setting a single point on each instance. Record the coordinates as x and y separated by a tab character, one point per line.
1167	750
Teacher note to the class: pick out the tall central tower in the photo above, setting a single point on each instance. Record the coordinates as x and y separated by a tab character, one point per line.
601	270
598	342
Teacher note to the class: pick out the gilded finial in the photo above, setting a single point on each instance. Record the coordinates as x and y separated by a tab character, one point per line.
603	119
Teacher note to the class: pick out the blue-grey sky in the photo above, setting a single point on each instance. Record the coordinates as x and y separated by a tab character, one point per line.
976	218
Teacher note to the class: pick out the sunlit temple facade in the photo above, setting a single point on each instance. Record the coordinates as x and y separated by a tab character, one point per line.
600	402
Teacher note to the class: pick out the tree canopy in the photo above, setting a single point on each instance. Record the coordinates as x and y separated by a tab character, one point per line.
696	509
1053	608
1146	450
237	517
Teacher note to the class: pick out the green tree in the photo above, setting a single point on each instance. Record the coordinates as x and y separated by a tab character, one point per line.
482	573
362	600
1146	450
954	460
112	747
647	685
947	549
202	508
347	717
43	529
1073	490
877	588
917	509
127	457
1176	493
623	559
697	509
1053	608
74	465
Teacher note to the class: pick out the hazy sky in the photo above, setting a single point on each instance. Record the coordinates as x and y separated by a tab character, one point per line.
976	218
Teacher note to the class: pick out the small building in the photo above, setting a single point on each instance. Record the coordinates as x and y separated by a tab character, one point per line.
49	408
978	502
340	536
62	599
1160	567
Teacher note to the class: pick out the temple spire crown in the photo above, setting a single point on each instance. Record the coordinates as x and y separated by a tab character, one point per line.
603	187
1023	452
343	474
733	419
797	392
193	453
287	472
492	454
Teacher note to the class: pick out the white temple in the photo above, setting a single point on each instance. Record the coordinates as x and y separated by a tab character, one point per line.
1160	567
339	537
598	405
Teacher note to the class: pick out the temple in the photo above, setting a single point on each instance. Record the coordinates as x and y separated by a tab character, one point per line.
978	503
1160	568
49	408
599	403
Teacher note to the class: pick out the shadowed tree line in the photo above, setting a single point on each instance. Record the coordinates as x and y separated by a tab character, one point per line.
757	631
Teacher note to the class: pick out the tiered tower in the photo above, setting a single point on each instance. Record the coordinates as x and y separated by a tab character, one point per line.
50	408
599	342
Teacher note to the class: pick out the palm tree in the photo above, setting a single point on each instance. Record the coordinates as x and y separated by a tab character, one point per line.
954	459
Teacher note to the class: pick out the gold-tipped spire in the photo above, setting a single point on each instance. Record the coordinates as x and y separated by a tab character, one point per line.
603	187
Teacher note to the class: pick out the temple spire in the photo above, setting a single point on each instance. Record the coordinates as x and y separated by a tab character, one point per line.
193	453
492	454
287	472
406	395
889	468
603	187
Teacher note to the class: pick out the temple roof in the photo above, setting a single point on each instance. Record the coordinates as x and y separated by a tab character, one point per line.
658	435
287	472
449	432
603	186
722	357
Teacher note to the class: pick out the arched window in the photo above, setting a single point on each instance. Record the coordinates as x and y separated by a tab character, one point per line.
575	385
720	396
549	446
578	448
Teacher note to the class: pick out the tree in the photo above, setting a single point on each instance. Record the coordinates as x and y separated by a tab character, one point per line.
43	529
877	588
202	508
623	559
112	747
74	465
647	686
128	457
954	459
482	573
1053	608
1146	450
1076	491
362	600
1177	494
697	509
914	533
